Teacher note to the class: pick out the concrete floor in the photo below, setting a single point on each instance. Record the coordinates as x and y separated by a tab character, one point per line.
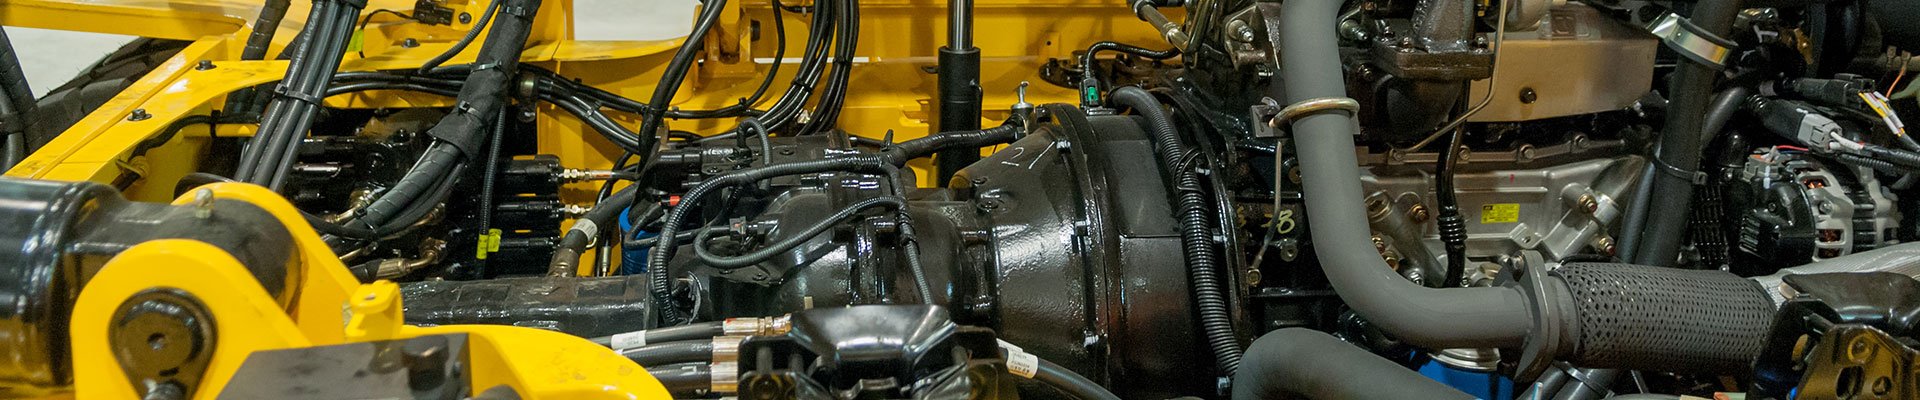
51	58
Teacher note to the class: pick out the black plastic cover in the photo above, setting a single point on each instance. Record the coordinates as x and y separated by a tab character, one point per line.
597	306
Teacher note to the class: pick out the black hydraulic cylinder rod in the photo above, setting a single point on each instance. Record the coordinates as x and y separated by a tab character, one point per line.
959	89
1664	220
14	107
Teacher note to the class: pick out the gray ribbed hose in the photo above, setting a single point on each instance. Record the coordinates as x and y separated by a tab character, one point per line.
1431	318
1610	315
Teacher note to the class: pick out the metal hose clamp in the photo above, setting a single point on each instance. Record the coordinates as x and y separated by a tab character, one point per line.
1691	41
1307	107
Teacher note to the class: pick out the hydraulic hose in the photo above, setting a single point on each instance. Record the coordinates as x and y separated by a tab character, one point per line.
670	353
698	331
460	46
790	242
241	102
296	99
1196	229
683	378
482	94
1431	318
1675	160
676	74
566	256
660	283
1303	363
1066	381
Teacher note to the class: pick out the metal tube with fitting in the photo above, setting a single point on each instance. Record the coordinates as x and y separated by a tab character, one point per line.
1168	29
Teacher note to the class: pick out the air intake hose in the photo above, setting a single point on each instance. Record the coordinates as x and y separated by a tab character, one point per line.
1592	315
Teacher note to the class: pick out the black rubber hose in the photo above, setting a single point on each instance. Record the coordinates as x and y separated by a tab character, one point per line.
459	46
674	75
1303	363
566	256
1453	228
1665	216
660	284
791	241
1196	229
683	378
265	26
669	334
483	93
1090	83
1074	385
827	110
282	117
670	353
1425	317
658	279
16	103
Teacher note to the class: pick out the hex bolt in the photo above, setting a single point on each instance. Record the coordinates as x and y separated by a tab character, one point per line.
1419	213
203	65
409	43
139	114
465	18
1528	96
1590	204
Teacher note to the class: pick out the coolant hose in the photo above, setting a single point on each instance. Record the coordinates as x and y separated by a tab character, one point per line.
1299	362
1677	158
1196	229
1607	316
1431	318
670	353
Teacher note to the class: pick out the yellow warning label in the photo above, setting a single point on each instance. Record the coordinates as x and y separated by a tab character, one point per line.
1500	213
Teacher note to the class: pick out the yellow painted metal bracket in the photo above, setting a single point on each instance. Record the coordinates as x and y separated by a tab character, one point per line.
244	320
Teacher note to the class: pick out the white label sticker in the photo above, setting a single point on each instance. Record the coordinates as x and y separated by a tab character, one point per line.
1009	346
587	228
1022	364
629	340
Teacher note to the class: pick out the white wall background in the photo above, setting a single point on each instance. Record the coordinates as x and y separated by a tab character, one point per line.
51	58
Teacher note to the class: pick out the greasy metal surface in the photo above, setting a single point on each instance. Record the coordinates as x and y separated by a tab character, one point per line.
586	307
533	362
34	218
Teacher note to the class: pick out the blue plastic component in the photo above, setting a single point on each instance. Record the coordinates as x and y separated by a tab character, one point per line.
633	261
1477	384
